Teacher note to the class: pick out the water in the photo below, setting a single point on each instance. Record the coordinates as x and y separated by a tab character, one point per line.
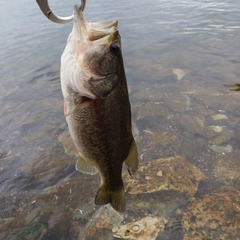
181	58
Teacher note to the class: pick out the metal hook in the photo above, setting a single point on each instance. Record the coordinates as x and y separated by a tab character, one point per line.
43	4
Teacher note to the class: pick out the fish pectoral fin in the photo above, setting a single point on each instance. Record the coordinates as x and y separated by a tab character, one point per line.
84	166
102	88
132	159
115	198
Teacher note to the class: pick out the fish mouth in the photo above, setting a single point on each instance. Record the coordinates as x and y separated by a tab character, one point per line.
93	31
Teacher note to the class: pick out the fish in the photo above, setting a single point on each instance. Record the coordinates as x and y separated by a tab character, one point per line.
97	106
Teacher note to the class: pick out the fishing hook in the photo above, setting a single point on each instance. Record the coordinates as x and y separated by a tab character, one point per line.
44	6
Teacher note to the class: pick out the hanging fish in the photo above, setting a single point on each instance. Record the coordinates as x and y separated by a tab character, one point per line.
96	102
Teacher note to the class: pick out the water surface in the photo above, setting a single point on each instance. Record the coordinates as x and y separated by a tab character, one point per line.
181	58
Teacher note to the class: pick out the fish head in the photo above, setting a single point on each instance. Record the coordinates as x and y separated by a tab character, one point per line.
96	50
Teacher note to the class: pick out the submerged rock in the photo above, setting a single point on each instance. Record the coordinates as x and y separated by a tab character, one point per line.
201	111
152	109
177	174
227	168
219	117
146	228
221	149
180	73
215	216
101	225
177	102
221	137
220	101
190	124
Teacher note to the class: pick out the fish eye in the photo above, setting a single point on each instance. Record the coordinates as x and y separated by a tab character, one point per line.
114	48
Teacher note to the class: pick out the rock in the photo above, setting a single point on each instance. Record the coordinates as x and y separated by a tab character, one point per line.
220	101
221	137
177	174
151	115
221	149
191	146
217	135
219	117
227	168
152	109
215	216
67	143
58	226
159	139
147	95
32	231
180	73
216	129
146	228
177	102
101	225
190	124
199	110
155	73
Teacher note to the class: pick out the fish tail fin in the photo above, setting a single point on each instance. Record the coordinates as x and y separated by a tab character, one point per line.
115	198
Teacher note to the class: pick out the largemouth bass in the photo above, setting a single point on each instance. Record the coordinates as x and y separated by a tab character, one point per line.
97	107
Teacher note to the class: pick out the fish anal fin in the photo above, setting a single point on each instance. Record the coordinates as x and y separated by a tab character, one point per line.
84	166
115	198
132	159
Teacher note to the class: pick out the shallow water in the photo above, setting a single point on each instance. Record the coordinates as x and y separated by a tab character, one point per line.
181	60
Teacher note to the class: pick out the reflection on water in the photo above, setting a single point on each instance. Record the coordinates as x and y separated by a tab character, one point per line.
181	60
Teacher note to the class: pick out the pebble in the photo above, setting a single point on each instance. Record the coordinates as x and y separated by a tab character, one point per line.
222	149
219	117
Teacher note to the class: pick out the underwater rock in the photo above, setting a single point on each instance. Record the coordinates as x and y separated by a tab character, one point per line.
159	139
190	124
155	73
201	111
221	137
147	95
177	174
180	73
220	118
146	228
215	216
152	109
177	102
48	166
227	168
58	226
191	146
221	149
101	225
220	101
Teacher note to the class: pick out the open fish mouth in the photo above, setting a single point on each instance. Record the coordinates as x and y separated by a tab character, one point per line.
92	31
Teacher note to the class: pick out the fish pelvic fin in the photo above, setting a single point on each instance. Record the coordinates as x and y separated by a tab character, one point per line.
84	166
132	159
115	198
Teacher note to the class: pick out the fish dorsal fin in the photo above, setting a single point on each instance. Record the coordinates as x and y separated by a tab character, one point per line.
84	166
132	159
